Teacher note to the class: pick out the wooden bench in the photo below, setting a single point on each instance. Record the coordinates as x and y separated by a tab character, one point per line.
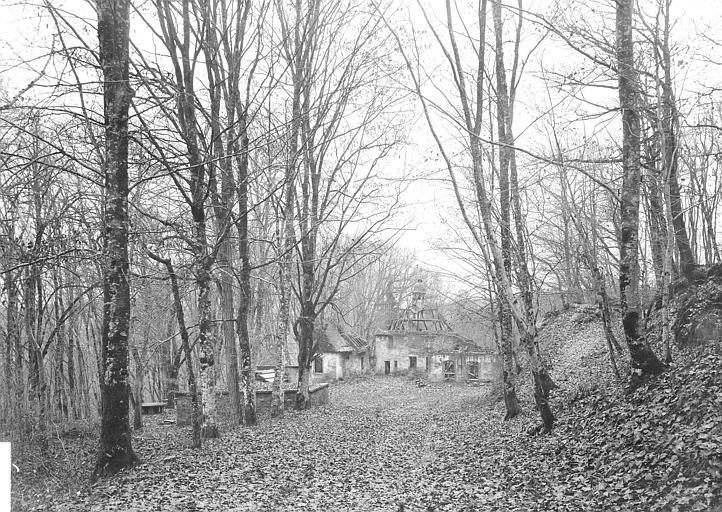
152	407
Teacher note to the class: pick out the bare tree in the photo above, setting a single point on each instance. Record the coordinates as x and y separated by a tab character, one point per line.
197	411
344	133
468	116
643	358
115	451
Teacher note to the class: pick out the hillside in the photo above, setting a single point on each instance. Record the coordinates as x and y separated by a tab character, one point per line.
658	447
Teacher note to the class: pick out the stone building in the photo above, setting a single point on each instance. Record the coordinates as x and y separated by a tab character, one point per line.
341	354
419	339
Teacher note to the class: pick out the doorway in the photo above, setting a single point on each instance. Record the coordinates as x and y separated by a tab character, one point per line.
387	367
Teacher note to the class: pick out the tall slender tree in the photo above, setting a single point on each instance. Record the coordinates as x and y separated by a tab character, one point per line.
115	451
644	360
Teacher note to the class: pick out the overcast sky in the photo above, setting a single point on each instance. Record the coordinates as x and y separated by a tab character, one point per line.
25	37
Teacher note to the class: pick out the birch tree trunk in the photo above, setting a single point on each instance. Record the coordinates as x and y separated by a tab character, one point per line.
115	451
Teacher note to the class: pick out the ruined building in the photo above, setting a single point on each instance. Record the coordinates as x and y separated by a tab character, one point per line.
419	339
341	354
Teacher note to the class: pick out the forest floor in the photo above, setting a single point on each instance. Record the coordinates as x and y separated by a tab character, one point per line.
383	444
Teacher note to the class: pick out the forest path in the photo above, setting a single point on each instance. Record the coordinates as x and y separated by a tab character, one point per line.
381	444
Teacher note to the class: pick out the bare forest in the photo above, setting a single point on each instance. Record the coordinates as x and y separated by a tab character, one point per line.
404	255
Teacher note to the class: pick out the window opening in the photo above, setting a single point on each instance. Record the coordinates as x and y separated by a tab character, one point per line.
449	370
473	371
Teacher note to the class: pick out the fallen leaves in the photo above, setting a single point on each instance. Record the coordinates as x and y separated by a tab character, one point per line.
385	444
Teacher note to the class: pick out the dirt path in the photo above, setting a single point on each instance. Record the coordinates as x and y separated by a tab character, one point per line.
379	445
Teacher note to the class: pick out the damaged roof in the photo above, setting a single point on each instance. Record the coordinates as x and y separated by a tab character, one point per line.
428	319
332	338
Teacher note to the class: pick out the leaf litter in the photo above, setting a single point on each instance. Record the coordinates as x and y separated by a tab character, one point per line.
385	444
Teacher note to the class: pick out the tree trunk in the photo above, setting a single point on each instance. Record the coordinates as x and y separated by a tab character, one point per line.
13	371
670	122
509	372
170	361
286	242
248	393
225	286
222	162
115	450
281	333
63	395
83	384
205	341
33	325
185	344
507	336
656	218
644	360
528	332
304	336
603	304
303	399
72	387
137	393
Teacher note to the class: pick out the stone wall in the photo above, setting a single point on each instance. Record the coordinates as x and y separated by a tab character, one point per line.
487	366
430	350
319	395
263	400
332	368
338	365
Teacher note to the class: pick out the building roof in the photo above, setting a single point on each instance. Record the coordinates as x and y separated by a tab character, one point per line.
427	319
333	338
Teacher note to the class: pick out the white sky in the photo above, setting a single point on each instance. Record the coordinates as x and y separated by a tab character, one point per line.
23	36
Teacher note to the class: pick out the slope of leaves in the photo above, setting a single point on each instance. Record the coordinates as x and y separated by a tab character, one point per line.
577	353
658	448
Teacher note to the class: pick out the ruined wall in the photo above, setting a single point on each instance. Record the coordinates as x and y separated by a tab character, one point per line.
332	368
355	365
430	351
397	349
319	395
340	366
466	367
